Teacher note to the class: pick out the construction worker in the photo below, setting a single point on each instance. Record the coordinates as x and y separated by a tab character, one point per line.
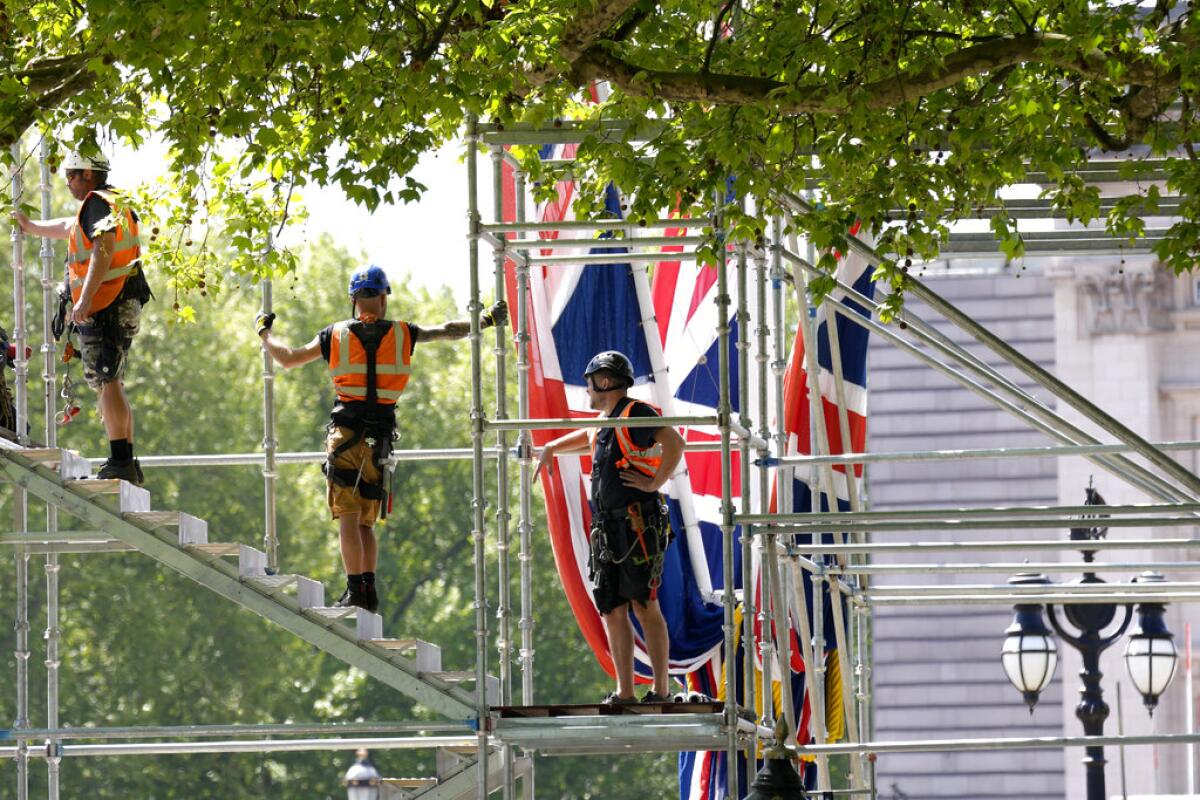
368	357
630	529
107	292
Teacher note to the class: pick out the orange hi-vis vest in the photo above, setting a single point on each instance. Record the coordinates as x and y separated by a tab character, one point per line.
647	460
348	363
125	257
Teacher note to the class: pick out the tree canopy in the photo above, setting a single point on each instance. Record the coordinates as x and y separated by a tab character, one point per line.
906	115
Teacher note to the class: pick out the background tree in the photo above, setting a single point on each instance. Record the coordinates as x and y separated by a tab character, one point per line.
144	646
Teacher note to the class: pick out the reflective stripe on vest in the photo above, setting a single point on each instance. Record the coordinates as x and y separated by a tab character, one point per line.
125	257
648	460
348	363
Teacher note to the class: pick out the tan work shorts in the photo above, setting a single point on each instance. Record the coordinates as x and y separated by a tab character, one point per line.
346	499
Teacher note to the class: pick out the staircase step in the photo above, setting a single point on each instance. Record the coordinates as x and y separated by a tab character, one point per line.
190	530
216	548
334	612
121	496
410	783
309	593
449	761
69	464
368	625
427	656
251	562
274	581
455	675
467	676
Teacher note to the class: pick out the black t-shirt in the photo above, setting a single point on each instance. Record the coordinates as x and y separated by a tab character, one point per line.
348	413
96	210
608	493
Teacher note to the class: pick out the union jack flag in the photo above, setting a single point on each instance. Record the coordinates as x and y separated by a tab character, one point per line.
669	331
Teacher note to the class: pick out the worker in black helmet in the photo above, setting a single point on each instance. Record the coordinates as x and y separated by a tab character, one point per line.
630	529
369	358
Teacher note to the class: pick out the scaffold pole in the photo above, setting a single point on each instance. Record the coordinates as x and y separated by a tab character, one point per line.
478	497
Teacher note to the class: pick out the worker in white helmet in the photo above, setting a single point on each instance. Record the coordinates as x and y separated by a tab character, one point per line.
108	290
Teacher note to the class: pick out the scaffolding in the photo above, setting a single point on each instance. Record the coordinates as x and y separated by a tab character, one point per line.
774	274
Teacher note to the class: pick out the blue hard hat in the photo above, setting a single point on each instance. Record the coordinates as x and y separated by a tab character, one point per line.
371	276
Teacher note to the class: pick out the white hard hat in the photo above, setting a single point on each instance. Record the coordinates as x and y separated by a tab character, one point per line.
98	162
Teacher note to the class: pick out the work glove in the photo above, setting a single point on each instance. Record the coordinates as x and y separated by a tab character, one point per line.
263	322
496	315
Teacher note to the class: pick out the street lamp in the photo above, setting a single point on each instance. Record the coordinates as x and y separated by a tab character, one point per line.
1029	655
362	779
777	780
1150	654
1029	652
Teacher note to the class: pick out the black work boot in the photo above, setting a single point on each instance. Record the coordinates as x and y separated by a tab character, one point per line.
371	597
351	598
125	470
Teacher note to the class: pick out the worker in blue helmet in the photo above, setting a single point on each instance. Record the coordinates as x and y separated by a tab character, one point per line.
630	529
369	278
369	358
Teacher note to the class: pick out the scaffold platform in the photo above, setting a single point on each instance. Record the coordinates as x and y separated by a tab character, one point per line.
562	730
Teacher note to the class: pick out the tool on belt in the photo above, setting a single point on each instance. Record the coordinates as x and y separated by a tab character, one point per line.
71	406
651	538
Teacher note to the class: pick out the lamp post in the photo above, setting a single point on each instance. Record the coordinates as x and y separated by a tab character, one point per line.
777	780
1029	654
362	779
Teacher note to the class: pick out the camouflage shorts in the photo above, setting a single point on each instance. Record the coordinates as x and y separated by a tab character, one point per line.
105	353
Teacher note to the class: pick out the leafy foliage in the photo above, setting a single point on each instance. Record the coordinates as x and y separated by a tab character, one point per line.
906	116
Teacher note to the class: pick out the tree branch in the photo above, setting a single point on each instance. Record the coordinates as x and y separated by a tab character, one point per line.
25	113
1106	139
430	44
43	74
579	35
716	34
1055	50
630	23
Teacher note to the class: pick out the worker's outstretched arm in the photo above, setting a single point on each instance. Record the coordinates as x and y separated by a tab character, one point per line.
573	442
672	451
286	357
51	228
461	328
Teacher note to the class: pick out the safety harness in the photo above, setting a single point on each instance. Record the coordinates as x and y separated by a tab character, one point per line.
651	528
646	520
378	432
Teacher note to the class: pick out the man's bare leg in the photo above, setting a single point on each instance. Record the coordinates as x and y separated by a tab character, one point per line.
366	535
620	642
115	411
350	534
658	642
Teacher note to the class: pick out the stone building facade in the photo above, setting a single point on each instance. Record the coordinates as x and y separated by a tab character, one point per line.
1127	336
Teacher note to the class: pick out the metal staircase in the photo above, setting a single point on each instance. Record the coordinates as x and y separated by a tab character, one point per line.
120	511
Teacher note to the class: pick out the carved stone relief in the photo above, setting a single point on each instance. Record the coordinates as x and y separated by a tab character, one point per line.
1133	301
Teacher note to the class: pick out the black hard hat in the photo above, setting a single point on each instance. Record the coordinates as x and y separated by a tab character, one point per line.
613	361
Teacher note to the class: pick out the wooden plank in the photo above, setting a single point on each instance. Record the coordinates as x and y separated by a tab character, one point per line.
410	783
216	548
